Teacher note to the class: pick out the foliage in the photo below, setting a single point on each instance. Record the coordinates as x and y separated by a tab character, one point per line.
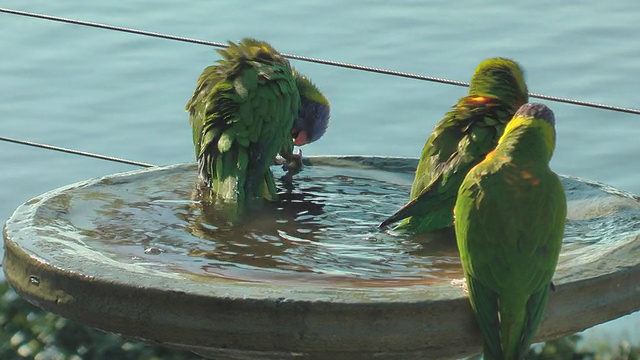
568	348
571	348
27	332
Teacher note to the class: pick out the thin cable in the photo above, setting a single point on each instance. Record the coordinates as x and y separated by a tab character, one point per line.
586	103
222	45
310	59
75	152
111	27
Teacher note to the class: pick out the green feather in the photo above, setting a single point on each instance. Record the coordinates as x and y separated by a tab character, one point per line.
459	141
208	137
269	186
219	170
243	160
241	113
309	90
226	140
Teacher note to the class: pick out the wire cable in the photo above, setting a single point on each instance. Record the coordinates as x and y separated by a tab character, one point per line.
290	56
75	152
308	59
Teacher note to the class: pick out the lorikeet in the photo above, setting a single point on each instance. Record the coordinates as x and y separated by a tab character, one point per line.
459	141
509	223
245	110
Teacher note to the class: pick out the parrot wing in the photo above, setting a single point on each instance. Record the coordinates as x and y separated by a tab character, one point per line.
549	242
198	104
505	263
485	305
459	141
484	300
469	131
534	312
435	193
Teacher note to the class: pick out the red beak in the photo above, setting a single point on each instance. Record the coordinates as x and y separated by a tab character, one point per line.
301	138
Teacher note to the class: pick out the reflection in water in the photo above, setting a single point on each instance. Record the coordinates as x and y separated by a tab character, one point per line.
323	229
258	238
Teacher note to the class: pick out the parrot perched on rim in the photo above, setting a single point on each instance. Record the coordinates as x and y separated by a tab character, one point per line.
459	141
245	110
509	222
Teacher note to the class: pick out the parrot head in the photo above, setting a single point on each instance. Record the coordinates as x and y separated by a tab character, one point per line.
534	115
313	117
500	77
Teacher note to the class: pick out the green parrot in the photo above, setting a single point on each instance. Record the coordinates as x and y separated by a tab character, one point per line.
459	141
509	223
245	110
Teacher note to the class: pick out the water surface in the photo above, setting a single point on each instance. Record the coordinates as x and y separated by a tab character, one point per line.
321	232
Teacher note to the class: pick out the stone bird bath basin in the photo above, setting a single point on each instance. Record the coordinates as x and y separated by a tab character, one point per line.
308	277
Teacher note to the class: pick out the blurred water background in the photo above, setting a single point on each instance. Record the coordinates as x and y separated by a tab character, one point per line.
124	95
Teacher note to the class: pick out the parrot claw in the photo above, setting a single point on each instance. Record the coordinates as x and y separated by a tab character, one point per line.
291	162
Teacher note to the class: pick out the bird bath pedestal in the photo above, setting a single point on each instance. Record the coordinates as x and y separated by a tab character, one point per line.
310	277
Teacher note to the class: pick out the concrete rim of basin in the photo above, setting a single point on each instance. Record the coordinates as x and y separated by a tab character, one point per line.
239	320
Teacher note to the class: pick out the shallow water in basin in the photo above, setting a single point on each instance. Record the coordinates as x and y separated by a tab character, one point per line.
323	229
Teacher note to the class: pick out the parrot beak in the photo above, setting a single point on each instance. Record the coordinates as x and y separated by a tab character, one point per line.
300	137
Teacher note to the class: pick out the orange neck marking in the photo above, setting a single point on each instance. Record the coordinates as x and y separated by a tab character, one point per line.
479	99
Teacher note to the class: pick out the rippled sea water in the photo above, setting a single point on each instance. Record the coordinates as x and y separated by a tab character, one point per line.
123	94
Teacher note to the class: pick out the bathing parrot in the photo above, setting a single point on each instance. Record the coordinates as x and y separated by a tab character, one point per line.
245	110
509	222
459	141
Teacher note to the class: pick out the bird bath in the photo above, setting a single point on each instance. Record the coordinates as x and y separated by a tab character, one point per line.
309	277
